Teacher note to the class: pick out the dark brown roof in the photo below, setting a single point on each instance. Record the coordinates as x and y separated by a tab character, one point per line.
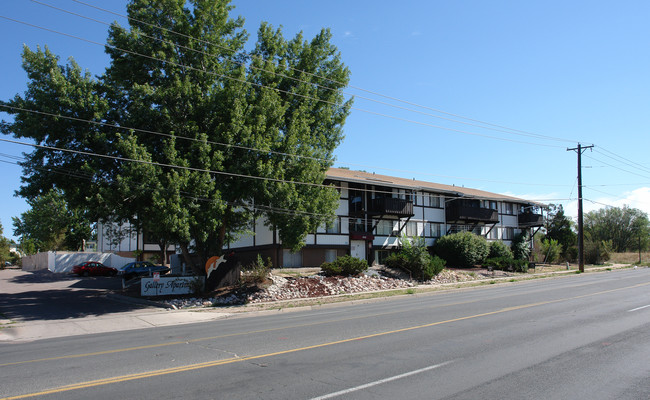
348	175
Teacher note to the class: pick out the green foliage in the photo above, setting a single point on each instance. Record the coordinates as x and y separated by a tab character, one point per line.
571	254
623	227
560	228
550	249
258	271
218	118
5	255
463	249
521	246
51	225
597	252
499	249
414	257
506	264
345	266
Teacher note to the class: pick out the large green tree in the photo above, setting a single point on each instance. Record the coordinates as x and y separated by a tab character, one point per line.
50	224
625	227
180	78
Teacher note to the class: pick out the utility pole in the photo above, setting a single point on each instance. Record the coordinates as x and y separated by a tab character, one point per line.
581	239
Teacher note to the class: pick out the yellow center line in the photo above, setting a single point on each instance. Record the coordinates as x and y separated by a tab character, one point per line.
174	370
175	343
202	339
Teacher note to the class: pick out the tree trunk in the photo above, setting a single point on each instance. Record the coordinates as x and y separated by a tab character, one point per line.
163	251
188	260
222	231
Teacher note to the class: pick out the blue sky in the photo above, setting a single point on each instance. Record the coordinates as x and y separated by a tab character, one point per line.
550	73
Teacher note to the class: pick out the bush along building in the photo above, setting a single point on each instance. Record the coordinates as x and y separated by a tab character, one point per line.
375	211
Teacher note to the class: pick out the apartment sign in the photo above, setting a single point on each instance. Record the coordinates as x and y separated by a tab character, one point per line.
165	286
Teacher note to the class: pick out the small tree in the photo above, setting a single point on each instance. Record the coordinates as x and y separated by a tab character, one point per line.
559	227
550	249
521	246
597	252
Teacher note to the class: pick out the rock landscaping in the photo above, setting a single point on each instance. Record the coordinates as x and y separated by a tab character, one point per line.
314	286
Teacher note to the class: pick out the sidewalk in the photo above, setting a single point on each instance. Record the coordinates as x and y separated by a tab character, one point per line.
41	305
149	318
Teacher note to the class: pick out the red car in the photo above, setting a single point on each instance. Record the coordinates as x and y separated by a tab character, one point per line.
93	268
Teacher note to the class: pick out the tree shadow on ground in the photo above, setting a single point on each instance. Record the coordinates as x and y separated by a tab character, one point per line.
41	276
64	304
69	297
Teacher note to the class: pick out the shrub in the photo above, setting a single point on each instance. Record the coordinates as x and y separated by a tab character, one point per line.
258	271
463	249
414	257
499	249
346	266
397	260
597	252
521	246
571	254
506	264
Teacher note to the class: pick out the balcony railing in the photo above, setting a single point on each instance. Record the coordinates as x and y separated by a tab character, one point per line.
458	213
391	206
528	219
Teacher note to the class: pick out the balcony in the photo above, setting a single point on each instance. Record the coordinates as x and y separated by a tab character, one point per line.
391	206
529	220
459	213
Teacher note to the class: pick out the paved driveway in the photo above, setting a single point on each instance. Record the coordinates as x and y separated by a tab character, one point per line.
46	296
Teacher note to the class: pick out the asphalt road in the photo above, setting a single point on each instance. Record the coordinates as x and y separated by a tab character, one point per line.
580	337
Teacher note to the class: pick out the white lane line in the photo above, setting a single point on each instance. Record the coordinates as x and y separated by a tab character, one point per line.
638	308
381	381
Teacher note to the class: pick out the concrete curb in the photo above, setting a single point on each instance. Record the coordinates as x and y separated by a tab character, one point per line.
133	300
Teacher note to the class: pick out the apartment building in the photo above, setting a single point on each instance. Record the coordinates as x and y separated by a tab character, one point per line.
376	210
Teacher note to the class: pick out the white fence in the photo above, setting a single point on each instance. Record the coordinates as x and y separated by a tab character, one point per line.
63	261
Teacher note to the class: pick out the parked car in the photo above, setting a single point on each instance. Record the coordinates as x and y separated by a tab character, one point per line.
141	268
93	268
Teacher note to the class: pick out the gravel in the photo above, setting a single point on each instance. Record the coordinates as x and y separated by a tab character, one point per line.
290	288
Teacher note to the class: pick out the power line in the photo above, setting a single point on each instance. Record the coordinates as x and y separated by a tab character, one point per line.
89	176
256	149
187	195
279	90
487	124
622	159
620	169
484	126
413	191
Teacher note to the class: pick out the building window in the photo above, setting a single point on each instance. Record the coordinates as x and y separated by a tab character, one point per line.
509	208
357	225
507	233
385	228
330	255
434	201
381	256
290	259
493	234
412	229
435	229
334	226
489	204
